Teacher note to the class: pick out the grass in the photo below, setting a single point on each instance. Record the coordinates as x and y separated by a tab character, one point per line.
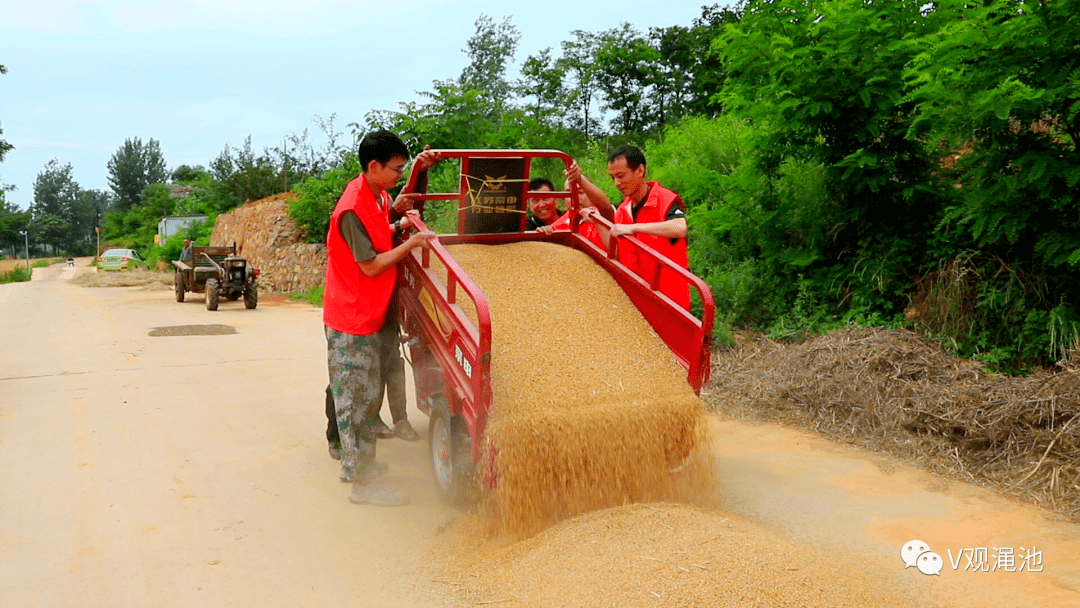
20	274
313	296
17	275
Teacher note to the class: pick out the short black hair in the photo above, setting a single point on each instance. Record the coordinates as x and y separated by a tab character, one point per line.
633	155
381	145
536	182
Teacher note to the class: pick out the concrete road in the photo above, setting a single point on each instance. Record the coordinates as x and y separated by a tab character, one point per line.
187	470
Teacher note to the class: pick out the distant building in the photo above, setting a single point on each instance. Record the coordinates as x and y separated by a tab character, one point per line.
173	224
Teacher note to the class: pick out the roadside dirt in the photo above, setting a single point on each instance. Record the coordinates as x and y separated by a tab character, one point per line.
12	263
185	469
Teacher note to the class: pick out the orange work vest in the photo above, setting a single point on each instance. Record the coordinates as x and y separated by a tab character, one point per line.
353	302
657	204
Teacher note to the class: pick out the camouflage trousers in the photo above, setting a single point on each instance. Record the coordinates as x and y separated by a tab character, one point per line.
356	382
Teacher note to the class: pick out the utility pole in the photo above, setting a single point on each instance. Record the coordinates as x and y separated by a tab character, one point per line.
26	243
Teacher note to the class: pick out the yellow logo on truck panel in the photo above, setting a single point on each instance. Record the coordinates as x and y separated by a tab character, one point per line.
436	315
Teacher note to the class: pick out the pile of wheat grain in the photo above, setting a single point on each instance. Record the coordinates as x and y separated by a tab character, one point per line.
665	554
591	408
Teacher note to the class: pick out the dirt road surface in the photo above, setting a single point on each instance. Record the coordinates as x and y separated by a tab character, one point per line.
191	470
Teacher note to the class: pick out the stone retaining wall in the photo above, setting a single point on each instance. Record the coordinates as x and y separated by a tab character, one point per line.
266	235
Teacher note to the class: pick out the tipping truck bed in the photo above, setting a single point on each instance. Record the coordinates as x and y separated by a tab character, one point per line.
451	355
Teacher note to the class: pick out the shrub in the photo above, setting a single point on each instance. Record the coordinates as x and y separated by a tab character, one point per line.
316	198
18	275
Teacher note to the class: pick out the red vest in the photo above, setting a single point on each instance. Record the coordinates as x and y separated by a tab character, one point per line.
656	207
587	229
563	223
353	302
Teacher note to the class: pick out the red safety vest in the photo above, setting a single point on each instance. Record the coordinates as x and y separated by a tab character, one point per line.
563	223
657	204
586	230
353	302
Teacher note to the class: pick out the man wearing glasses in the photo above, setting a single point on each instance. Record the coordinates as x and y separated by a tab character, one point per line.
362	330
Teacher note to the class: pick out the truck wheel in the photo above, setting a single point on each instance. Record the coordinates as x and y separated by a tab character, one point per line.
251	295
179	285
448	445
213	294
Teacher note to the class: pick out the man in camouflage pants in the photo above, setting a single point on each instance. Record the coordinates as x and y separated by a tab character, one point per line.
358	312
356	384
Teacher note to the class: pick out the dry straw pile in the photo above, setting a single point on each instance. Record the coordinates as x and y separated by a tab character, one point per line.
897	392
591	408
147	279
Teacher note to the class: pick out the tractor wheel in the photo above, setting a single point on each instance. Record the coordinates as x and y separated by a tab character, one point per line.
178	280
213	294
251	295
448	446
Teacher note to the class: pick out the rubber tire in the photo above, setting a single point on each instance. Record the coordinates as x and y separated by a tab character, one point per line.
178	281
454	475
251	295
213	294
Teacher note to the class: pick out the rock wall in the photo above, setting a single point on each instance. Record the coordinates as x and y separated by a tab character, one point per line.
266	235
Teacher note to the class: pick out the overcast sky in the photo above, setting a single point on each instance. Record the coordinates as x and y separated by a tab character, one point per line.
196	75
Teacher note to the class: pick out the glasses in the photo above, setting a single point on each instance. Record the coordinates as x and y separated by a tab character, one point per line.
400	170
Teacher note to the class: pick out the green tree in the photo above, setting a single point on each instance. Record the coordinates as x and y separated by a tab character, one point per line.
825	80
450	117
706	60
579	62
1002	82
316	198
132	168
999	88
627	67
51	231
56	207
542	80
241	176
673	73
189	175
12	223
136	227
490	48
54	189
93	205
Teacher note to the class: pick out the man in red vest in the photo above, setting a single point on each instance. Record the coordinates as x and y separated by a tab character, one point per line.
545	215
652	213
362	333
